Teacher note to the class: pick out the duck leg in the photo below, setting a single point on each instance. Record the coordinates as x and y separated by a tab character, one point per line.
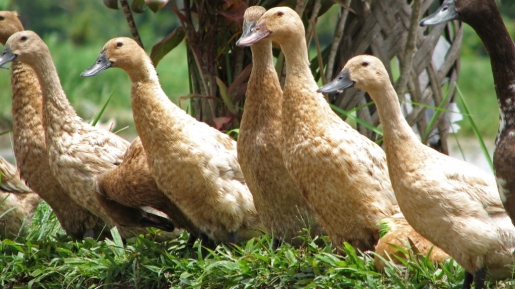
467	282
276	243
232	237
479	279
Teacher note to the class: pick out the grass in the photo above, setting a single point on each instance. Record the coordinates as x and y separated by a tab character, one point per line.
47	258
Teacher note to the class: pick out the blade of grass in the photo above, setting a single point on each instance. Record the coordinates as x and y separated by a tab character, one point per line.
356	119
6	132
474	128
97	116
431	123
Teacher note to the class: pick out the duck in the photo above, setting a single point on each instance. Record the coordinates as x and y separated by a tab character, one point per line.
77	151
17	202
399	237
30	150
450	202
341	174
130	186
194	164
484	17
282	209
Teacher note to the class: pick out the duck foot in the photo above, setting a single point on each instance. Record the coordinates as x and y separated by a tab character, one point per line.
276	243
151	220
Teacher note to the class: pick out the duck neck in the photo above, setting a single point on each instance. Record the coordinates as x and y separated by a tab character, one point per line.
57	111
26	109
297	62
500	47
301	102
154	114
144	70
396	131
263	96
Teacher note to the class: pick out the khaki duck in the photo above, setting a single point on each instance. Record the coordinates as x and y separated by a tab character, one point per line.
132	185
452	203
78	152
30	148
401	235
485	19
194	164
279	202
17	202
341	173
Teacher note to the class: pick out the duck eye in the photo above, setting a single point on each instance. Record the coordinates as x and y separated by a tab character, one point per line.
2	18
23	38
365	64
119	44
280	13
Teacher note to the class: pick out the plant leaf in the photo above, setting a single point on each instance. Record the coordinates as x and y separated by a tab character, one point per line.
156	5
138	6
356	119
111	4
225	96
475	129
97	116
160	49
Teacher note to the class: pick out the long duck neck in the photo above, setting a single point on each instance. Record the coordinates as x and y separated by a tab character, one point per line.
302	105
263	79
154	114
489	26
396	131
57	110
297	61
26	108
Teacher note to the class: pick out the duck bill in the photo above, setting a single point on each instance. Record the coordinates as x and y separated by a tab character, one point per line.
7	56
101	64
340	83
445	13
252	33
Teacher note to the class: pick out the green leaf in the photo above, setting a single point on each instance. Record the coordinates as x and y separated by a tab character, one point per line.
97	116
138	6
225	96
431	123
167	44
356	119
475	129
6	132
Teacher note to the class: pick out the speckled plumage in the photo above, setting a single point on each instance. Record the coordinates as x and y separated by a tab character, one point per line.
340	172
193	164
279	202
450	202
132	185
30	147
78	152
401	234
17	202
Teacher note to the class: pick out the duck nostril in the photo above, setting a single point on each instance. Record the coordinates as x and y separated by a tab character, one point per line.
340	78
444	9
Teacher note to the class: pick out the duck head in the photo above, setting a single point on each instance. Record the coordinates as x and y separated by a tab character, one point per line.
250	19
277	23
117	52
464	10
9	24
25	46
364	72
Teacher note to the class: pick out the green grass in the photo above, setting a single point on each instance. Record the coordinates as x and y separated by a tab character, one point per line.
46	258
